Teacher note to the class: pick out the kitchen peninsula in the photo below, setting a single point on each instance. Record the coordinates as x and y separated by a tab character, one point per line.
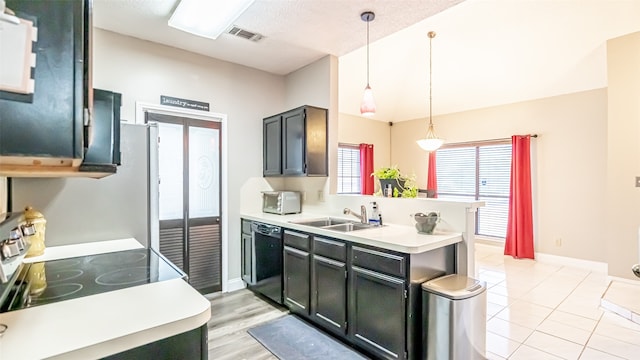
359	282
109	324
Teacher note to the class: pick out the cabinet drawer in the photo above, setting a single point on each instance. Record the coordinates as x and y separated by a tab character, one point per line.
246	226
296	240
330	248
378	261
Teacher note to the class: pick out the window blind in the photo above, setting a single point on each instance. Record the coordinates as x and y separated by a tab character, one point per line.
348	169
483	173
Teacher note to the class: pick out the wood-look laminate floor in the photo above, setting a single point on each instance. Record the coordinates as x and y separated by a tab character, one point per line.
232	314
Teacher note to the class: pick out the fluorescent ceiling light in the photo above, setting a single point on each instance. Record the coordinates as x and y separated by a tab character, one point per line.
207	18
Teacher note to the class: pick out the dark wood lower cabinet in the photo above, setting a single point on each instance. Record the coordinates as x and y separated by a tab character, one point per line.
329	294
377	313
366	296
296	280
190	345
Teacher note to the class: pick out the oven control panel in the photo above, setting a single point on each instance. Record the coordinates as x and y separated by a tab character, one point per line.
13	244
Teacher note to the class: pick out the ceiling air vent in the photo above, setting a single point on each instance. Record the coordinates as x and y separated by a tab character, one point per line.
245	34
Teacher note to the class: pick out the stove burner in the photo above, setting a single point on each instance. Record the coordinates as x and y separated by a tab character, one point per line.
58	291
139	274
62	275
120	259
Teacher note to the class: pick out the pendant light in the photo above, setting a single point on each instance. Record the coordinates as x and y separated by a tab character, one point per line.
368	106
431	142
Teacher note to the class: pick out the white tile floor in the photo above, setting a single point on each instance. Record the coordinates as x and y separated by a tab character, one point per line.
543	311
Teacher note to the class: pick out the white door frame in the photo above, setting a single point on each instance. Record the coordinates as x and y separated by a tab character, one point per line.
142	108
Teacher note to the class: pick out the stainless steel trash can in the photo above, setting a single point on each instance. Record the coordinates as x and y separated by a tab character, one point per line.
454	310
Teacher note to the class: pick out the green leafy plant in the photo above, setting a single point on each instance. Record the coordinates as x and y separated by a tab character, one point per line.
407	184
387	173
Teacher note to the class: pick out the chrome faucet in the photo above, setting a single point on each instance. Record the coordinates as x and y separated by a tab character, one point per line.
363	214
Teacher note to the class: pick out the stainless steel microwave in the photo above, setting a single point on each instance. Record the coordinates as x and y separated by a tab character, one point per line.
281	202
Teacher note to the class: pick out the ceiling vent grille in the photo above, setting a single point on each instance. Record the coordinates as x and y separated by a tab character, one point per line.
245	34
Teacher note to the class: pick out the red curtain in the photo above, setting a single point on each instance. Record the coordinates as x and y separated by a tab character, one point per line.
432	179
519	239
366	168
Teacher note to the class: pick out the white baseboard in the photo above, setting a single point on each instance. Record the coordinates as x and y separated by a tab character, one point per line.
235	284
594	266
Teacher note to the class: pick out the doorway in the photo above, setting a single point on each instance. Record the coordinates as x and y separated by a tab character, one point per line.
189	202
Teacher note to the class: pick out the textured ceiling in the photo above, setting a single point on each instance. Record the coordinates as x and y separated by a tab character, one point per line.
296	33
486	52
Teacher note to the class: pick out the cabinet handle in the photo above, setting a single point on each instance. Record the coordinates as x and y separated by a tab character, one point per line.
86	118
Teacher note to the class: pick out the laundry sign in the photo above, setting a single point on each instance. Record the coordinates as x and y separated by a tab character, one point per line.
184	103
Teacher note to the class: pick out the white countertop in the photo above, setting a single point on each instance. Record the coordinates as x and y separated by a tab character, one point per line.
400	238
103	324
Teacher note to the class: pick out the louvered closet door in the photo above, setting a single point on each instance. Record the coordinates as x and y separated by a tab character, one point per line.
189	201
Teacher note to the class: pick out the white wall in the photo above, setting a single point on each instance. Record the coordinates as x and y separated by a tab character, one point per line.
622	209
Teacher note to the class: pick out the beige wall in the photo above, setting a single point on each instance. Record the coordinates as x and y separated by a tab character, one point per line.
357	130
142	71
569	162
315	85
623	155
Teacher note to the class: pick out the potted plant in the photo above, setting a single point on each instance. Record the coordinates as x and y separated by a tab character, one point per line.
401	185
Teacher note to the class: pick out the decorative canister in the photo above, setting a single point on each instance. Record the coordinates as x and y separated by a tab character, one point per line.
35	218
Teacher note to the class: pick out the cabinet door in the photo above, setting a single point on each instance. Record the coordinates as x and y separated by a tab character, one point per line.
49	122
329	301
293	145
377	309
247	259
272	146
296	280
316	141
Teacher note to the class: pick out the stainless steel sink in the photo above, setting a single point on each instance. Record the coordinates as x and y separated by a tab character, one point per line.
349	227
336	224
329	221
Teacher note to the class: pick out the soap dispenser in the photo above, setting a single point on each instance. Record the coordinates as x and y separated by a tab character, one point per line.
375	218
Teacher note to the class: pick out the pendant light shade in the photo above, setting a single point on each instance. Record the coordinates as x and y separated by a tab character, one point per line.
368	106
431	142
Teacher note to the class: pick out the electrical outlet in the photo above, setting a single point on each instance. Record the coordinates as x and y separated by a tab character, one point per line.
304	196
320	195
559	242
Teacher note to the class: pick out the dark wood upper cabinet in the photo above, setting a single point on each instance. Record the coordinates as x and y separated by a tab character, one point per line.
49	122
272	145
295	143
43	132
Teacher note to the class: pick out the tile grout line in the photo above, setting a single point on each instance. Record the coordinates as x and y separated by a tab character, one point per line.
581	282
534	330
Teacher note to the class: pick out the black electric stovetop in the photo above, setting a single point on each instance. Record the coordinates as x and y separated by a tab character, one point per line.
58	280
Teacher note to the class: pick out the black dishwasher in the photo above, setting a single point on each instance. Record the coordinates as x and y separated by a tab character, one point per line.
262	269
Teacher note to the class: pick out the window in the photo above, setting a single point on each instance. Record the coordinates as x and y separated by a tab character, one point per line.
478	172
348	169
